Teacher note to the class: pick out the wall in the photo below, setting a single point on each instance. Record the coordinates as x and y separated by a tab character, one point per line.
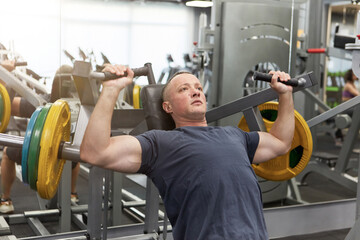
130	33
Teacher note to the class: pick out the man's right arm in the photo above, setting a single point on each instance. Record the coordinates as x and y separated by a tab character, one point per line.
120	153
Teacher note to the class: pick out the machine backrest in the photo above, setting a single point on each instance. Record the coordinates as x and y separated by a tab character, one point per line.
156	117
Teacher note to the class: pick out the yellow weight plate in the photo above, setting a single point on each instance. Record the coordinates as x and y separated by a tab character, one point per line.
136	96
6	108
56	129
291	164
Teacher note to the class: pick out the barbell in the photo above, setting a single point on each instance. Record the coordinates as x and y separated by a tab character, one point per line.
291	164
44	147
46	141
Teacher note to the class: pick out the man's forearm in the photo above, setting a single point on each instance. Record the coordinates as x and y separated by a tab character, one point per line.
284	125
97	134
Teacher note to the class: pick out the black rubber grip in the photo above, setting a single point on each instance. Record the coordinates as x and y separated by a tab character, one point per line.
143	71
111	76
267	78
18	64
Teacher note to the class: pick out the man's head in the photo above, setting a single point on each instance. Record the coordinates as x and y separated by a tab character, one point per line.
184	100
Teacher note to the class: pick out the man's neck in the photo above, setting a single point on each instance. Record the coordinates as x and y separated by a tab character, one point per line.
202	123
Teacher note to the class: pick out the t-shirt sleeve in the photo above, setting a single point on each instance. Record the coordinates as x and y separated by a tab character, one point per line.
149	151
252	142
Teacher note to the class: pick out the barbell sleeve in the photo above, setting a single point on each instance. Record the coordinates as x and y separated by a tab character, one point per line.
66	150
295	82
11	140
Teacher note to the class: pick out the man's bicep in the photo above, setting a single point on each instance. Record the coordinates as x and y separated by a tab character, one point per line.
267	149
125	154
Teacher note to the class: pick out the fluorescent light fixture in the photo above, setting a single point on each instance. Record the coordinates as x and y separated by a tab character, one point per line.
199	3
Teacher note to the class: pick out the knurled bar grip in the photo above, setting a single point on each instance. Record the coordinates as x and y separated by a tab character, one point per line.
295	82
142	71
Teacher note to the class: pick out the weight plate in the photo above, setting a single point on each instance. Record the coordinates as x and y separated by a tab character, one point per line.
1	107
56	130
291	164
26	144
7	108
136	96
34	149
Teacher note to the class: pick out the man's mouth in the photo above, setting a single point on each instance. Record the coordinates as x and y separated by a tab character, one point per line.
197	102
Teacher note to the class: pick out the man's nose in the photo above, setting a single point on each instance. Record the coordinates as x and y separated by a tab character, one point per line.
196	92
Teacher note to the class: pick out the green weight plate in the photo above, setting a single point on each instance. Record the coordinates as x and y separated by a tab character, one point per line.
34	149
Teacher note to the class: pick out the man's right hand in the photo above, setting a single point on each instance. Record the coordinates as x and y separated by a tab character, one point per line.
119	70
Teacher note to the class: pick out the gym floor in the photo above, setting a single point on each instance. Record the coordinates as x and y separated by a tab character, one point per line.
316	189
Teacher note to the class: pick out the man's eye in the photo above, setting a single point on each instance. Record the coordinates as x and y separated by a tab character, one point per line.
200	88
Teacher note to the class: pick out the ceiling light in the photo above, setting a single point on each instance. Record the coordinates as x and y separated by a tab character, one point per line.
199	3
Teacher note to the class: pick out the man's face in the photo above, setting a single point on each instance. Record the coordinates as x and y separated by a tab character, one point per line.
185	99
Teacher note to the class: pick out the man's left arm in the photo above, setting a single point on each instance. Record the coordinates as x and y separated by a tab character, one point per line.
278	140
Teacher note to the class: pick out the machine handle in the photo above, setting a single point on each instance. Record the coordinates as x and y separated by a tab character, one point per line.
137	72
316	50
142	71
295	82
18	64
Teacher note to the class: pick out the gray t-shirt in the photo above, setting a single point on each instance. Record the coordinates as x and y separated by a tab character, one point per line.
205	178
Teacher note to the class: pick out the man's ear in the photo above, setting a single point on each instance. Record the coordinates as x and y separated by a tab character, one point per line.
167	107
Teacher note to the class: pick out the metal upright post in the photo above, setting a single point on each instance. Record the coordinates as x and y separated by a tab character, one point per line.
96	176
64	198
152	208
354	233
116	189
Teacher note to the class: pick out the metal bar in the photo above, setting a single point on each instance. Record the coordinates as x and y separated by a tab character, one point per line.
134	204
95	202
113	233
4	227
254	119
37	227
355	231
358	195
252	101
333	112
318	101
78	221
350	140
79	209
41	213
70	152
64	198
117	185
152	207
324	170
150	74
134	215
309	218
66	150
106	203
11	140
